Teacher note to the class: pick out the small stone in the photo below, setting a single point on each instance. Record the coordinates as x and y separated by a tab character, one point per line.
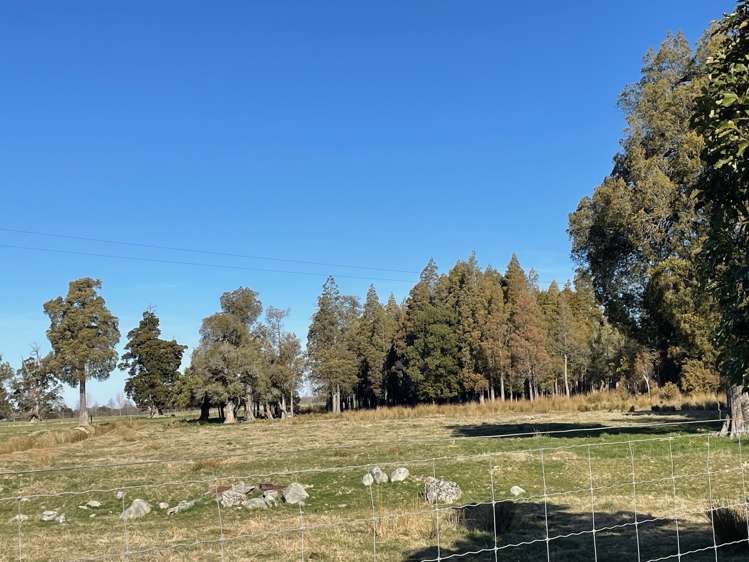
163	505
399	474
139	508
93	504
379	475
295	494
367	479
48	515
230	498
92	516
271	497
255	503
517	491
120	494
60	519
83	507
184	505
441	491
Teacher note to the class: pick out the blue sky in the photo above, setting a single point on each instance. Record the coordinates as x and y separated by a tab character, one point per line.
349	133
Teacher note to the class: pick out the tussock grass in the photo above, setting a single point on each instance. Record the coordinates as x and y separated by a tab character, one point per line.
52	439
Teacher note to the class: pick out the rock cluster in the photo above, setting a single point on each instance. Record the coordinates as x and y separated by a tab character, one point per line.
378	476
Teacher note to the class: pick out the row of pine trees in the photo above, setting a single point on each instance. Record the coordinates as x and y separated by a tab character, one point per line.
466	335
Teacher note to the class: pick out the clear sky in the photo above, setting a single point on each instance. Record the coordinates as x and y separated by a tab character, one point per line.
374	134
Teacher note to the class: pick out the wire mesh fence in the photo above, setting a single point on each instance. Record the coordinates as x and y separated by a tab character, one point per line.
664	497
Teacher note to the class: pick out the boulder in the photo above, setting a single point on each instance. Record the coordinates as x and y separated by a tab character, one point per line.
255	503
367	479
379	475
231	498
60	519
184	505
48	515
271	497
139	508
295	494
399	474
163	505
517	491
441	491
93	504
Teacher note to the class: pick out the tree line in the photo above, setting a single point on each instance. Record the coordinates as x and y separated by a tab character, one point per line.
661	292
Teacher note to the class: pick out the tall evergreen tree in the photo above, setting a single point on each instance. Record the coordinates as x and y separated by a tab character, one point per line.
330	347
494	332
374	335
83	334
152	365
722	117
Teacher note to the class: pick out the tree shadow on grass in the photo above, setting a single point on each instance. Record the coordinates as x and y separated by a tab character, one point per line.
660	425
521	537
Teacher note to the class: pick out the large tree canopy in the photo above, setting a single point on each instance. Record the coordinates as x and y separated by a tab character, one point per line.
83	334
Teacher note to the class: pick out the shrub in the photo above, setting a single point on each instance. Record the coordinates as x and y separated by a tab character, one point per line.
669	391
698	377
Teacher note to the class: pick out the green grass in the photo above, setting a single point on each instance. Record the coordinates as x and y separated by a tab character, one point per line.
185	460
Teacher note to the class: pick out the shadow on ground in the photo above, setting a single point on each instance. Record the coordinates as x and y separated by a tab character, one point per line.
643	423
521	532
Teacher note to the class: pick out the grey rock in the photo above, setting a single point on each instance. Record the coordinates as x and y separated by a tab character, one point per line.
399	474
255	503
184	505
295	494
271	497
60	519
367	479
120	494
517	491
139	508
231	498
379	475
163	505
92	516
48	515
85	507
441	491
93	504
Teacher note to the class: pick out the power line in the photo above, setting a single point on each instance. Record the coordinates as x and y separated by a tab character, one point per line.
198	251
197	264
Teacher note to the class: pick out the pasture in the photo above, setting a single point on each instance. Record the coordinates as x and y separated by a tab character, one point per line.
643	480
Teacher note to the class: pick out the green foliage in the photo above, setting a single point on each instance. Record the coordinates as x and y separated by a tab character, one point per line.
637	236
722	117
6	375
152	365
698	377
83	334
35	392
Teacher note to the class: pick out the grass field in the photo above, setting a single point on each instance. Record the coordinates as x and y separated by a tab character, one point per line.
56	467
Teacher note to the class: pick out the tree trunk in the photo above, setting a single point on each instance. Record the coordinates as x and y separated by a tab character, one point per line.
230	412
291	405
268	411
566	380
205	409
502	387
83	419
737	421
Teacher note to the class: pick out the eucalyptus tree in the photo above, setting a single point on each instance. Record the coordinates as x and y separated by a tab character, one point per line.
35	392
83	334
722	117
6	376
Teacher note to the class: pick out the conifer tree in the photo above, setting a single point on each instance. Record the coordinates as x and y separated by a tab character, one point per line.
152	365
83	334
